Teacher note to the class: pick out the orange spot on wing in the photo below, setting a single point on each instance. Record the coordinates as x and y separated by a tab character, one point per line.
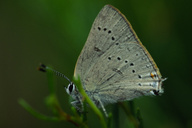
152	75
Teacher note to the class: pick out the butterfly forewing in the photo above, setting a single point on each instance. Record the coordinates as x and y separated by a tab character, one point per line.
107	28
114	62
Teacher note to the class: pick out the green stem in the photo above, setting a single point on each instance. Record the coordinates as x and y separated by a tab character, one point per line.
115	116
132	107
89	101
33	112
138	115
129	114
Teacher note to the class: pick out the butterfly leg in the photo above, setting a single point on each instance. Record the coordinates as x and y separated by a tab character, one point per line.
81	102
76	105
102	106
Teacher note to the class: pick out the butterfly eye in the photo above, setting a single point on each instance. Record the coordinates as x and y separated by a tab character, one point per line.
70	88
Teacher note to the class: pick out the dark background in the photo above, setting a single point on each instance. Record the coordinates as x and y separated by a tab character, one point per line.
54	32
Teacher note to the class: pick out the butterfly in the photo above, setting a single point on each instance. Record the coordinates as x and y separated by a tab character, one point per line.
113	65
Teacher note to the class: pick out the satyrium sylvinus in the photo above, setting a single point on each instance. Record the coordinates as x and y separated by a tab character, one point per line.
114	66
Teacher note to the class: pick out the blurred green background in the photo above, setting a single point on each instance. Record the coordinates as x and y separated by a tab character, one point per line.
54	32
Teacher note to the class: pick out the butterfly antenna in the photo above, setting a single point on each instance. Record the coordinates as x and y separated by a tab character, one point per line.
43	68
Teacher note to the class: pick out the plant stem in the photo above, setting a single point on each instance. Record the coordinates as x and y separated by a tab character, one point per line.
89	101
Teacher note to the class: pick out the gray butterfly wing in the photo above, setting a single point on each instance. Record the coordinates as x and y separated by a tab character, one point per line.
113	63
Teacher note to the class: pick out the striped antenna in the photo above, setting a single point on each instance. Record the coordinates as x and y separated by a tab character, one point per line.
44	68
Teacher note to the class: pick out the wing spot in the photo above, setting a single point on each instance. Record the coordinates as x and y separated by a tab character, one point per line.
105	29
139	84
117	44
109	58
118	58
126	61
113	38
153	75
131	64
99	28
139	76
109	31
133	71
137	54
